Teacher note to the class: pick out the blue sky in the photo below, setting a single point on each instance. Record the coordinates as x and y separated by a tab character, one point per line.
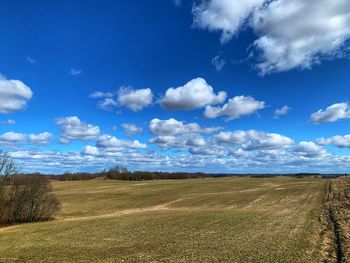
211	86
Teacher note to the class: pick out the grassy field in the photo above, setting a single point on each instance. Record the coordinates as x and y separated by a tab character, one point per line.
196	220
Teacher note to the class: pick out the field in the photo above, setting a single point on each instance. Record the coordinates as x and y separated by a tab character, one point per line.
195	220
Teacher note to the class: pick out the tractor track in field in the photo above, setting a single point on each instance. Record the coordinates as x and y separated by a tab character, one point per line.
334	226
337	214
119	213
161	207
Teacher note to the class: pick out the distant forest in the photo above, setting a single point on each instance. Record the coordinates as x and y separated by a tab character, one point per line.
122	173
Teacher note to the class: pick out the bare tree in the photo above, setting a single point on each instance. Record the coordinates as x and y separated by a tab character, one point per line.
24	198
7	170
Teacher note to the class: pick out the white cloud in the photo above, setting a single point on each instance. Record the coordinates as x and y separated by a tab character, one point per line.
14	95
107	104
268	141
12	138
253	140
335	112
227	16
271	154
180	141
106	101
100	94
174	133
195	94
91	150
236	137
131	129
299	33
291	33
40	139
90	159
310	149
195	140
74	129
75	72
9	122
282	111
111	143
338	141
173	127
235	108
208	151
218	62
135	99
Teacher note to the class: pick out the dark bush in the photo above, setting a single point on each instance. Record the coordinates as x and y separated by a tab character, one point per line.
26	198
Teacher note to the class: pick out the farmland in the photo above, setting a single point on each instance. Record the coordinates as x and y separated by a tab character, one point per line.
196	220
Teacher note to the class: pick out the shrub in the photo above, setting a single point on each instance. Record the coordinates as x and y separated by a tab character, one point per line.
25	198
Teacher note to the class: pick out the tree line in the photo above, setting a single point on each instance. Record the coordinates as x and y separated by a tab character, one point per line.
122	173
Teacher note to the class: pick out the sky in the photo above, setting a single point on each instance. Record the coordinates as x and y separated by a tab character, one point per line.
217	86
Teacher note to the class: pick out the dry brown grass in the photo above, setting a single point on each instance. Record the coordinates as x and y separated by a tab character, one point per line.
218	220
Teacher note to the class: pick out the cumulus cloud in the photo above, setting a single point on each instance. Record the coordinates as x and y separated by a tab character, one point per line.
338	141
235	108
180	141
91	150
227	16
91	159
269	141
111	146
290	34
246	151
204	159
252	140
208	151
40	139
9	122
12	138
107	104
112	143
131	129
174	127
299	34
174	133
72	128
134	99
310	149
282	111
106	101
195	140
195	94
14	95
335	112
236	137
